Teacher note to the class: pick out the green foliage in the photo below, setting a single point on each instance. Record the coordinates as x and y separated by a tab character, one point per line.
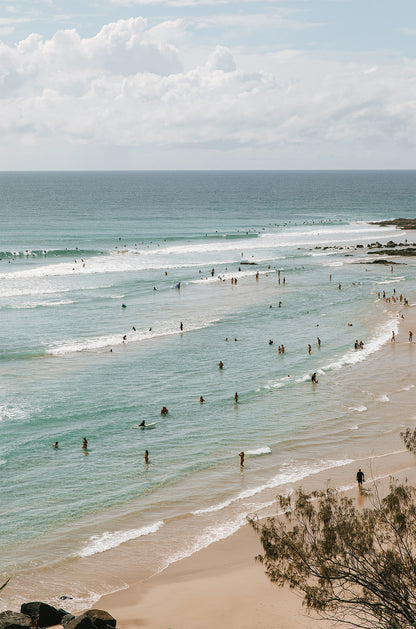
409	439
352	566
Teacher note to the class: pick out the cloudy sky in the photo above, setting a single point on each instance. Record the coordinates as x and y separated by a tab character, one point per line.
207	84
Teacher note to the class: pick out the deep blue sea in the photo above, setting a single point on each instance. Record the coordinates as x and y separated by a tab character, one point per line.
97	272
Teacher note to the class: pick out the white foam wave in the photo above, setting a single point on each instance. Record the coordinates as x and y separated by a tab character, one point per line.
383	398
198	254
207	537
3	461
113	340
9	412
224	277
354	427
259	451
44	304
359	409
408	388
283	478
395	281
381	336
107	541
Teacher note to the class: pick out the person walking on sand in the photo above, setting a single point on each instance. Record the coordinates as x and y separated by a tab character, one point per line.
393	337
360	478
241	455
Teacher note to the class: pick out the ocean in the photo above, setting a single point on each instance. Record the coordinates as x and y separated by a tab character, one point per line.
97	272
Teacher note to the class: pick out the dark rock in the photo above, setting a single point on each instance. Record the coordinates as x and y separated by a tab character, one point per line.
80	622
100	618
360	246
391	243
401	223
46	615
408	251
66	619
13	620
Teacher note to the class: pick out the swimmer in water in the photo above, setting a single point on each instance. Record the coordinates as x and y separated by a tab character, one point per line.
314	379
220	364
164	411
84	444
55	445
201	400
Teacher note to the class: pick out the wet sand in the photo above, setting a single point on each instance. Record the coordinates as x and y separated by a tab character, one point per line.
222	585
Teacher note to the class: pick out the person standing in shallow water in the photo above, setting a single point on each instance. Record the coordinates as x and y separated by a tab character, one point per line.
146	456
241	455
236	397
360	478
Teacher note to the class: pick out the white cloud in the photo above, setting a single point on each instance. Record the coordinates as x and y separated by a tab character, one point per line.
127	87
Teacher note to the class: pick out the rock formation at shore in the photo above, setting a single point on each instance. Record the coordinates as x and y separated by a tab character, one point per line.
401	223
39	615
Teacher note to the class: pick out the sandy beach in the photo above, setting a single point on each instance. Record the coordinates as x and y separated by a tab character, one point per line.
222	585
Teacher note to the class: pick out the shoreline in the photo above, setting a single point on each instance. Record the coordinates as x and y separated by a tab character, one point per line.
222	585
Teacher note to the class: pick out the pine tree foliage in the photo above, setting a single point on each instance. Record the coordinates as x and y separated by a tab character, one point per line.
352	566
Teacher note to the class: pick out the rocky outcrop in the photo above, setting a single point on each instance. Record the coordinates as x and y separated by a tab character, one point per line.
38	614
407	251
46	615
401	223
13	620
91	619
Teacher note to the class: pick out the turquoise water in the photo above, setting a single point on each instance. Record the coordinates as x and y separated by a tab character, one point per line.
75	247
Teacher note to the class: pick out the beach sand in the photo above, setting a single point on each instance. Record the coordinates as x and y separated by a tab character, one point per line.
222	585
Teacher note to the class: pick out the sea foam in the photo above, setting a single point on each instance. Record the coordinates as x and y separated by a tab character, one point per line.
107	541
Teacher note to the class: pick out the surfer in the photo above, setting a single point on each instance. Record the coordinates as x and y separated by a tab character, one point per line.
84	444
142	424
241	455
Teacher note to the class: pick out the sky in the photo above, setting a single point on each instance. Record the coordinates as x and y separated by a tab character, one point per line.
207	84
